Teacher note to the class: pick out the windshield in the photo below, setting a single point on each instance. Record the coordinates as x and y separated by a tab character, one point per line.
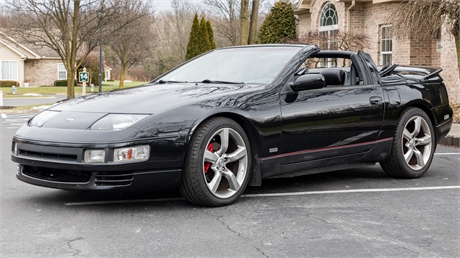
238	65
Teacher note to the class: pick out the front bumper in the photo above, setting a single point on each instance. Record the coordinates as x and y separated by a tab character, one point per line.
90	181
61	166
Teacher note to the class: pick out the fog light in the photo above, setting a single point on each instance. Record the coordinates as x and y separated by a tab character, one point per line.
132	154
94	156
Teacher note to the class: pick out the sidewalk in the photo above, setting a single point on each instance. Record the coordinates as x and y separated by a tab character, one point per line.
453	138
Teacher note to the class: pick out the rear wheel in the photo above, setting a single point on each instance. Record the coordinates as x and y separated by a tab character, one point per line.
217	165
413	146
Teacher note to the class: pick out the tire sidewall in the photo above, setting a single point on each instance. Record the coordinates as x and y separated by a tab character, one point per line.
398	148
196	155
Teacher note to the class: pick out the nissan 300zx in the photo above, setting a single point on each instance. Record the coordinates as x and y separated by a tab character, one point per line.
234	116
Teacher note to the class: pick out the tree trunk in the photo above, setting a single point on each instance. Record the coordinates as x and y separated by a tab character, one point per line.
71	74
70	84
121	85
253	22
244	30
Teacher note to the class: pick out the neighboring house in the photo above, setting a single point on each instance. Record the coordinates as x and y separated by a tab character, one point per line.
108	73
371	18
30	67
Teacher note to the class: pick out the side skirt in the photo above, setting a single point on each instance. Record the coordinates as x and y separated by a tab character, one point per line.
272	167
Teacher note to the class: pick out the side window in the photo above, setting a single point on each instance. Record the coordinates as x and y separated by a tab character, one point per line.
62	72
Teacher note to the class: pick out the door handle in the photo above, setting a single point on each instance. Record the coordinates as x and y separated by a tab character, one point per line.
376	101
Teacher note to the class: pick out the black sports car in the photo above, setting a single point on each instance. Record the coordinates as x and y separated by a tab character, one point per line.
235	116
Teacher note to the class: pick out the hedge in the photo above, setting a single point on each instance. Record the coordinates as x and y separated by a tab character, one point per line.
9	83
62	83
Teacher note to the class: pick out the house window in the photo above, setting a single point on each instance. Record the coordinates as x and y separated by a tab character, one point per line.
328	27
9	70
62	72
386	45
329	19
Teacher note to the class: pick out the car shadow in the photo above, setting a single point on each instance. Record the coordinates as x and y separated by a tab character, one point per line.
337	180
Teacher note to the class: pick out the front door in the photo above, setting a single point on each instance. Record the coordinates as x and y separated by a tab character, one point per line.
329	122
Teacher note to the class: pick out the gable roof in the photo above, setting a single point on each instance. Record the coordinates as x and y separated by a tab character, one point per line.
26	52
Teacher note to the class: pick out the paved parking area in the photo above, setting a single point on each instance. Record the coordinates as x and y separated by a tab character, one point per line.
350	213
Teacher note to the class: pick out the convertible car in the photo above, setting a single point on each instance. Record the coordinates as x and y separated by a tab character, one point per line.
234	116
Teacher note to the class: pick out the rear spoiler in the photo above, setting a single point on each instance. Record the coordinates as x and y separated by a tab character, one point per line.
428	76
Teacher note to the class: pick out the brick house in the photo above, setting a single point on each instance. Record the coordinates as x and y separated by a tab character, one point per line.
371	18
29	67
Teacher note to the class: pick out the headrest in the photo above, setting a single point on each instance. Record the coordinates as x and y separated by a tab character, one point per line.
334	76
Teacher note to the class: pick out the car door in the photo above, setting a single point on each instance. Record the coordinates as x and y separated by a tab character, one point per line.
333	121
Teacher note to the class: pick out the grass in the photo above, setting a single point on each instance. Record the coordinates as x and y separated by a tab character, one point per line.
52	90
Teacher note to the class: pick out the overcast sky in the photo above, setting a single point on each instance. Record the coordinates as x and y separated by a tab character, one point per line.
166	4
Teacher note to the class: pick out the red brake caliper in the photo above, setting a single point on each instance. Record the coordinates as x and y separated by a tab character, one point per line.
207	165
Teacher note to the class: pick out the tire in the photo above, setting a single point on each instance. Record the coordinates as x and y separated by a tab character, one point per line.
413	146
216	170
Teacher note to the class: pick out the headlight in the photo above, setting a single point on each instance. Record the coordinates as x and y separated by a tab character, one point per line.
117	121
132	154
41	118
15	149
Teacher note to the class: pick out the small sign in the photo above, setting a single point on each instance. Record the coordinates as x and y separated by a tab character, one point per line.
83	77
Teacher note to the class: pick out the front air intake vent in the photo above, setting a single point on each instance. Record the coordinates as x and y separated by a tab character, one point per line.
114	179
48	156
57	175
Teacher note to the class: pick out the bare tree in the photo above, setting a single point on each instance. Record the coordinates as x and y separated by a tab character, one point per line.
69	27
132	44
425	18
253	21
244	18
235	23
248	33
172	30
336	41
227	25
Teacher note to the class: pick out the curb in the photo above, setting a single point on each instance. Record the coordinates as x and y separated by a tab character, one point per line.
451	141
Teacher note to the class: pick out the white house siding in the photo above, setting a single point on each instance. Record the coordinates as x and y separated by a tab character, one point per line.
7	54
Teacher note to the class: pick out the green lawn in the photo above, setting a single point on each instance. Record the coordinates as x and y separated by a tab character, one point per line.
52	90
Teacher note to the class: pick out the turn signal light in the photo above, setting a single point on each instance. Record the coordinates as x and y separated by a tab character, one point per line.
132	154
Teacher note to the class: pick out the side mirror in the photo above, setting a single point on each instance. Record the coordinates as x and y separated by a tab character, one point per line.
309	82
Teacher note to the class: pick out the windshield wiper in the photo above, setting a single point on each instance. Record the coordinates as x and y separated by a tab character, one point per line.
163	82
223	82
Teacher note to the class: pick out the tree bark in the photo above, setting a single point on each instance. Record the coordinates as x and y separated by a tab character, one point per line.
244	30
71	50
121	85
253	22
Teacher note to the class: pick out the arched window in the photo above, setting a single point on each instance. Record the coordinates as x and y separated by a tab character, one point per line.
328	27
329	20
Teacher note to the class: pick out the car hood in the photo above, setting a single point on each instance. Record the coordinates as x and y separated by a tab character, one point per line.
149	99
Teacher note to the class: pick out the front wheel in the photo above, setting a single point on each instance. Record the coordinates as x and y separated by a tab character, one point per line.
413	146
217	164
